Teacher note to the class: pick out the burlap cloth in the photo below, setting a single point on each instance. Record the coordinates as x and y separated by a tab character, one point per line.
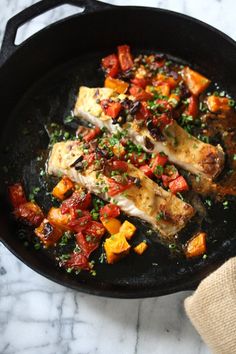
212	309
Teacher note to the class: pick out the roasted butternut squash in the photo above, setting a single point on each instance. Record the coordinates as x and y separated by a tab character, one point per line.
195	82
116	84
196	246
63	187
116	247
127	229
140	248
48	233
112	225
58	219
216	104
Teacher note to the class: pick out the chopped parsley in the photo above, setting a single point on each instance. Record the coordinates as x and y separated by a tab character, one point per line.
203	138
64	257
69	269
69	119
95	214
226	204
65	238
33	194
160	216
159	170
208	202
37	246
198	179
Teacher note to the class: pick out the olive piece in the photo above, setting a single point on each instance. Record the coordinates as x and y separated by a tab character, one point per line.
156	134
148	144
149	124
134	107
174	74
184	91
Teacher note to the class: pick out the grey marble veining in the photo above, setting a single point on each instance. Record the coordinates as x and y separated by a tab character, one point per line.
38	316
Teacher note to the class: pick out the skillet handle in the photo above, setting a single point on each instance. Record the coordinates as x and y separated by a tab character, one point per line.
8	46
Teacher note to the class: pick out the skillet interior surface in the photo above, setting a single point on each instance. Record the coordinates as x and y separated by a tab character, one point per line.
24	138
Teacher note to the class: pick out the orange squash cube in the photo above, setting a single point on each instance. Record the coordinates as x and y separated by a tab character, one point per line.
216	103
195	82
196	246
112	225
48	233
118	150
63	187
127	229
58	219
140	248
116	247
116	84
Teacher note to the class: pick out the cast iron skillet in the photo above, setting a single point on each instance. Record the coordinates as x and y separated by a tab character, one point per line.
38	83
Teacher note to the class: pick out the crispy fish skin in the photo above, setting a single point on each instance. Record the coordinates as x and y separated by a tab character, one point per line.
145	202
182	148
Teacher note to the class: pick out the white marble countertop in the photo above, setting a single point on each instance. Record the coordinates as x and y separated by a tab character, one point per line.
38	316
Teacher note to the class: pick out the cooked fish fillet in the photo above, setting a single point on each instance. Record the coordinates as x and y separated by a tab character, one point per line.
182	148
145	202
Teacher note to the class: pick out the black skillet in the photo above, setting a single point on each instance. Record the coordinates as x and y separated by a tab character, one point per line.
38	83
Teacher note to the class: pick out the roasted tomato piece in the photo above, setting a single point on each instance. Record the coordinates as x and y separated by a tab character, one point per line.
178	185
48	233
141	82
90	158
146	170
77	261
143	112
111	65
95	229
78	200
87	243
163	105
170	173
165	180
17	195
93	133
110	211
125	57
139	93
119	165
30	213
81	223
137	159
161	121
192	109
117	188
157	164
160	159
111	109
64	187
